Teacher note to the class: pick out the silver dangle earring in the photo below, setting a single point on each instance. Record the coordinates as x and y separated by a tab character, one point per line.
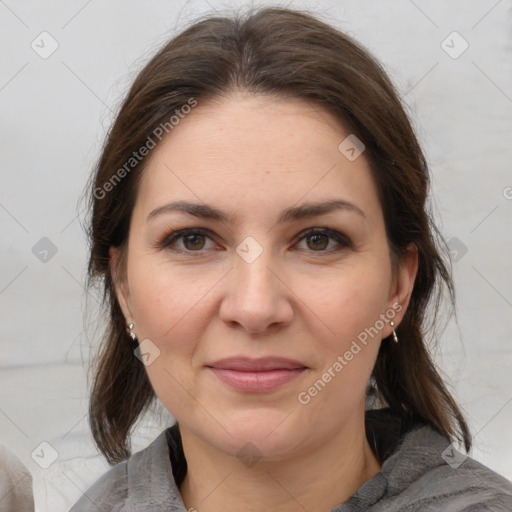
129	328
395	337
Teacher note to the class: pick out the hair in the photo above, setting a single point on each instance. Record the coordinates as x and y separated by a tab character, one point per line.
281	53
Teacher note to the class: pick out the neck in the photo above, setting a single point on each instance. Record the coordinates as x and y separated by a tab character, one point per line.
319	480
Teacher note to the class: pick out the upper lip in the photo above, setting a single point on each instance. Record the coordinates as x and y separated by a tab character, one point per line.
246	364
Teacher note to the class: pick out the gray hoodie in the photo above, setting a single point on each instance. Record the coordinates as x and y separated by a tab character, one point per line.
421	472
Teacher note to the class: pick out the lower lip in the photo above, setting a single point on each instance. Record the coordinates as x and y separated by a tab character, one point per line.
257	382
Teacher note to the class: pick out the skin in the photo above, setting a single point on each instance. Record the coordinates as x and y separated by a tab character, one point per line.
307	300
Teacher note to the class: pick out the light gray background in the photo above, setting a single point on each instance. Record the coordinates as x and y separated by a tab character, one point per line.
54	115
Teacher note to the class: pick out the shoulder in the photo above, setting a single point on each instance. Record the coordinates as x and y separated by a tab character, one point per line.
144	482
109	492
470	487
15	483
429	473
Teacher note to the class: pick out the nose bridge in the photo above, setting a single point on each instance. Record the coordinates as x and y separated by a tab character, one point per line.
256	297
252	274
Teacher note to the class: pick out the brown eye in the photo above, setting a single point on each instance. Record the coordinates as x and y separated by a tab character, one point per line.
319	241
187	241
193	242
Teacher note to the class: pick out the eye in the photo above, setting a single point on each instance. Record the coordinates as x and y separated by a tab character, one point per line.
319	240
193	240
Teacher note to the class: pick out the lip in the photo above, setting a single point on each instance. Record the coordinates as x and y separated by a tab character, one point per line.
247	364
256	375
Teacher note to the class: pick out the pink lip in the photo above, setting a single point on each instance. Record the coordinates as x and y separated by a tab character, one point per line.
256	375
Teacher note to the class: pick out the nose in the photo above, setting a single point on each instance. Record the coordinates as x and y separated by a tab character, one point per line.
257	297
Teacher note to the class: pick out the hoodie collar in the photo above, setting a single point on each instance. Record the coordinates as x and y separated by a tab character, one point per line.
155	474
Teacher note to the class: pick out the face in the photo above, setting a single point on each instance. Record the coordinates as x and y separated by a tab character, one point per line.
261	317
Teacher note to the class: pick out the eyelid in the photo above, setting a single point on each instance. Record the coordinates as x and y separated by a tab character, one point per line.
332	233
342	240
174	236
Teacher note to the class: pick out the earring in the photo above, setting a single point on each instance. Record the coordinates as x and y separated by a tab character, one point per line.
395	337
133	336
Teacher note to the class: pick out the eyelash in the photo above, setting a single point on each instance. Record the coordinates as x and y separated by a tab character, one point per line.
171	238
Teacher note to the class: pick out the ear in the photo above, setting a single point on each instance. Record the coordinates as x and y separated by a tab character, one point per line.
120	284
403	284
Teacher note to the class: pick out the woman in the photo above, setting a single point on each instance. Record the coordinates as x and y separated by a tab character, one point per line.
259	227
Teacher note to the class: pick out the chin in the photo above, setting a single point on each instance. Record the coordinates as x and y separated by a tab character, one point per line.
261	432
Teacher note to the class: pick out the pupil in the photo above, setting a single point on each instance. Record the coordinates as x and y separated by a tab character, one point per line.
316	237
193	239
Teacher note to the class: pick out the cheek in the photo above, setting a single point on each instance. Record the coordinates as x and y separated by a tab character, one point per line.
164	300
169	309
347	302
351	307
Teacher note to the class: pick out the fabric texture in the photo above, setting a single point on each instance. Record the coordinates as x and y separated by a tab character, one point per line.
421	472
15	483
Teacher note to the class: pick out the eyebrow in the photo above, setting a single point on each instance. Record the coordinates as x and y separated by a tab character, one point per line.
303	211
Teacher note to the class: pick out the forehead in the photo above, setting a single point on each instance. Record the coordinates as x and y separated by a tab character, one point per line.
250	153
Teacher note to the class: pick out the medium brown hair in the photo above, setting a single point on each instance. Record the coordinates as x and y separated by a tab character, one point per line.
288	53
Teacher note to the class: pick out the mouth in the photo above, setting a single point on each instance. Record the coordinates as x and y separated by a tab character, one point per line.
256	375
